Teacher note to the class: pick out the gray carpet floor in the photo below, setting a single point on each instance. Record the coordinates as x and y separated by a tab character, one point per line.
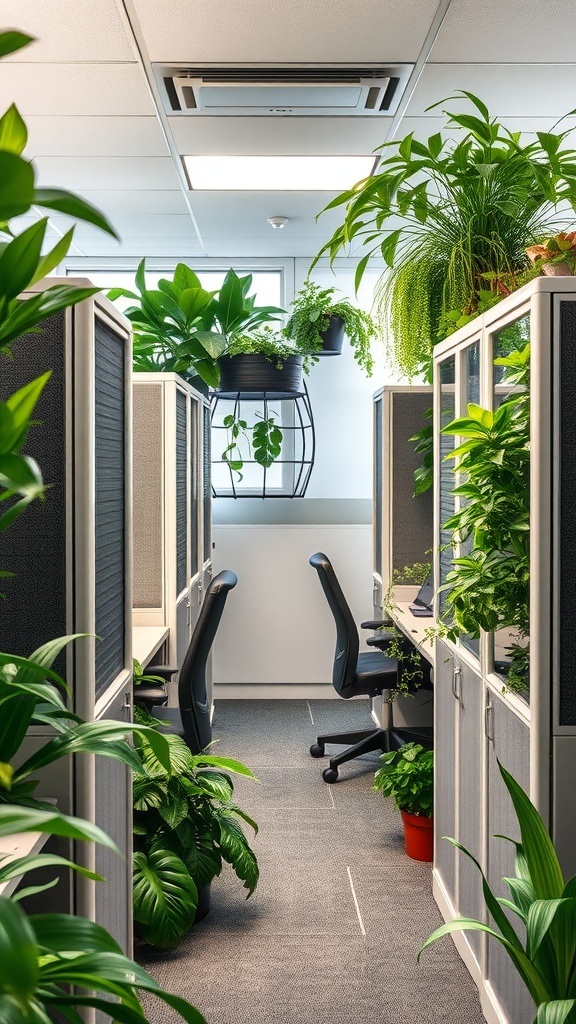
330	935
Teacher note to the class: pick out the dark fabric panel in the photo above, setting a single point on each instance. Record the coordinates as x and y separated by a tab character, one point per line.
181	491
207	460
34	548
412	517
567	545
110	502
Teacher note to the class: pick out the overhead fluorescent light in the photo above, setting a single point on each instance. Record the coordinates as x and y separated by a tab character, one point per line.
276	173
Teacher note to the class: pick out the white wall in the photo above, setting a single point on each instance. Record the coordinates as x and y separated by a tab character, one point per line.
277	627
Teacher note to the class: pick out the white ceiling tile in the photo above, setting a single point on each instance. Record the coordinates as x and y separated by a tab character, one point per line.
275	31
424	127
518	31
243	216
282	136
81	89
94	136
128	228
63	31
138	248
118	202
524	90
102	172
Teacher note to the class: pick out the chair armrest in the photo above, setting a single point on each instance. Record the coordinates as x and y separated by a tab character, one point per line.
164	671
376	623
380	641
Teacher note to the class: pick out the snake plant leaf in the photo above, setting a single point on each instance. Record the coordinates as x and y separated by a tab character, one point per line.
18	953
13	131
542	862
165	897
557	1011
531	977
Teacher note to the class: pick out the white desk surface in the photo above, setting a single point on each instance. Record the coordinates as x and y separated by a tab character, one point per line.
21	844
146	640
412	625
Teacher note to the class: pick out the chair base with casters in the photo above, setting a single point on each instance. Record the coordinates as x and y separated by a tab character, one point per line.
357	674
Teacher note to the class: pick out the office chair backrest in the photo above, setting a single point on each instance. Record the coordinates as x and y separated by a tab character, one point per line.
347	642
192	696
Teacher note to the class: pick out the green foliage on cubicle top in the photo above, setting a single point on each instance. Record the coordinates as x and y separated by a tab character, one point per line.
544	904
451	217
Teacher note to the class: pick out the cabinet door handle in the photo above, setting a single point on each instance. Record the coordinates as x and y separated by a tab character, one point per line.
457	683
489	722
188	612
127	705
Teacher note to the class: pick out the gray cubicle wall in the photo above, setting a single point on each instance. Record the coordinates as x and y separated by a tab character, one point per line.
71	554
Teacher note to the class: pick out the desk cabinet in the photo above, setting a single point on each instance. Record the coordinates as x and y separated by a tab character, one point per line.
478	718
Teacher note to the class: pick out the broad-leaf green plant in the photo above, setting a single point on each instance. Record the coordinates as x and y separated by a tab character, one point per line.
185	825
444	213
545	905
180	327
407	775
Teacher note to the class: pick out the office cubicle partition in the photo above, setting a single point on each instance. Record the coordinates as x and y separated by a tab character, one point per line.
71	559
481	718
172	538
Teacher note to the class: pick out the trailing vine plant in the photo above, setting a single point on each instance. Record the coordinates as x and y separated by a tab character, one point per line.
312	308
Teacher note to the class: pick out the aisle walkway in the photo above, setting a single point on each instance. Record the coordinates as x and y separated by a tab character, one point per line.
330	936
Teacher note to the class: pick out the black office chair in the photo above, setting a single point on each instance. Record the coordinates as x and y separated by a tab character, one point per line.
191	719
354	674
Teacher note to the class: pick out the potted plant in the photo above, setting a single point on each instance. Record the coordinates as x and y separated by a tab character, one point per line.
445	213
318	324
180	327
555	256
262	360
185	825
407	775
544	903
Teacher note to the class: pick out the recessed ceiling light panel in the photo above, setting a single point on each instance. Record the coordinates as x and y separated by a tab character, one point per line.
276	173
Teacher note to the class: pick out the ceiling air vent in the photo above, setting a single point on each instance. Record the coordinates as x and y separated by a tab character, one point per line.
284	91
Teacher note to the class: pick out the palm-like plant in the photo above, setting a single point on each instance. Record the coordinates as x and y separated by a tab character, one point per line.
544	903
467	211
42	956
185	825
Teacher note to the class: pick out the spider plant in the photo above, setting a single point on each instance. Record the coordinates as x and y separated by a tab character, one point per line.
468	208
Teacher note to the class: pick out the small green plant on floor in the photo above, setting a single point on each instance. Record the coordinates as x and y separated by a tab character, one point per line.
407	775
545	905
185	825
312	308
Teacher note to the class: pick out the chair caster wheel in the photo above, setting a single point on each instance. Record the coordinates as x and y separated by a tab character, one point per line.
316	750
330	775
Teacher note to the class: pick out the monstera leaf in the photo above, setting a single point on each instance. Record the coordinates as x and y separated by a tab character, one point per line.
165	898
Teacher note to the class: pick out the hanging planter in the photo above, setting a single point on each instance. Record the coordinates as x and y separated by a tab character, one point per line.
332	338
250	373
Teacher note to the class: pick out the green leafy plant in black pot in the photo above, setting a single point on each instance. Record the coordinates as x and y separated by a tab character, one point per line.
315	313
185	825
180	327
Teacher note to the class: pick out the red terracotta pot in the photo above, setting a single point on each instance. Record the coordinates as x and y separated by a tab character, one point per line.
418	836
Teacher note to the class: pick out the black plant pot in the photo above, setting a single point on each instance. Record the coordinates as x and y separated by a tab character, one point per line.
254	373
332	338
203	907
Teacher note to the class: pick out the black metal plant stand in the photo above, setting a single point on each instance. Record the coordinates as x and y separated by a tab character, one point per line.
290	472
